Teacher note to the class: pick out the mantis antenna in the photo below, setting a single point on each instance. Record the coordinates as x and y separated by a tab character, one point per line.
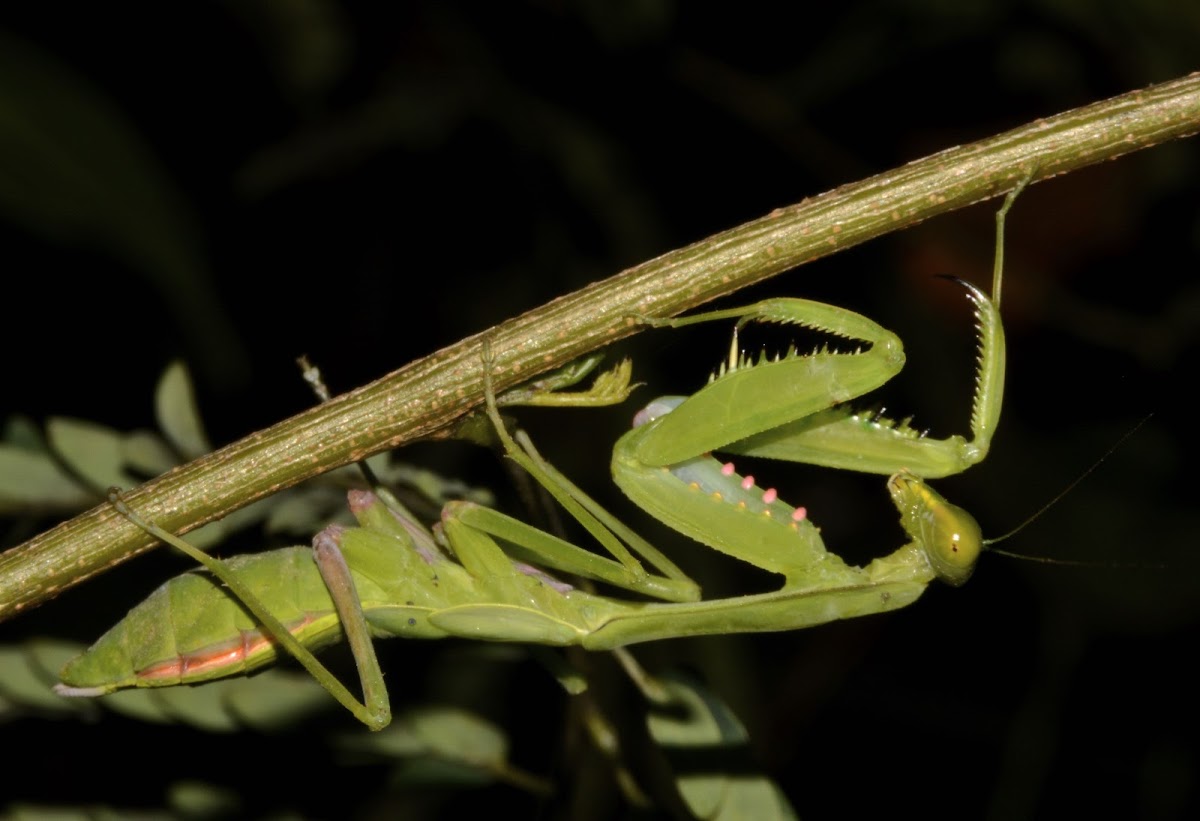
988	543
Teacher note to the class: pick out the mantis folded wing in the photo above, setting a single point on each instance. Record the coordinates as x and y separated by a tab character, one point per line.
488	579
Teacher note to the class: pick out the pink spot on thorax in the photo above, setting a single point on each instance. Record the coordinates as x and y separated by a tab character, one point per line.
543	576
727	469
770	495
799	514
748	483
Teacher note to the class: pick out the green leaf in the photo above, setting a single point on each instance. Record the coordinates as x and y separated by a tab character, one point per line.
27	673
276	699
202	707
95	452
33	482
199	799
146	453
268	701
305	510
445	745
444	732
22	432
175	410
707	747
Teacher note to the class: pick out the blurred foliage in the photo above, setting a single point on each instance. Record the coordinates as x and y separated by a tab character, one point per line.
365	183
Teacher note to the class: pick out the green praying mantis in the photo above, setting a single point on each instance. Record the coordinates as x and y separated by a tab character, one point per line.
488	575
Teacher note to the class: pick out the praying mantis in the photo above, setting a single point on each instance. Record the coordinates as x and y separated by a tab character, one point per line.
488	576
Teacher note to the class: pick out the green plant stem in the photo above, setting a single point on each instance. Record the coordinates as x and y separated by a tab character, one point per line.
425	398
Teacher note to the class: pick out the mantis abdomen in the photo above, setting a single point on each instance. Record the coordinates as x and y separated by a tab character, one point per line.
190	630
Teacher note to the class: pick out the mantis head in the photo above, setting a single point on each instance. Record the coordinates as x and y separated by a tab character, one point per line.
949	536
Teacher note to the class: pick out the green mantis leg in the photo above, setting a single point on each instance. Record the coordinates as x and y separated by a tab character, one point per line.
603	526
792	408
375	711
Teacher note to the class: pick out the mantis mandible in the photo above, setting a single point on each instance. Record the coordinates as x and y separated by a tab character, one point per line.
488	576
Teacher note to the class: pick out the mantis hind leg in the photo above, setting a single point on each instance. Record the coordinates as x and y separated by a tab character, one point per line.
375	711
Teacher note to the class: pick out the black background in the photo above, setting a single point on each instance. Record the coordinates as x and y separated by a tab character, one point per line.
367	183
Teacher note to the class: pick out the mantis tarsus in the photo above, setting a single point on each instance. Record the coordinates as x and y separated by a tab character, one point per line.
488	578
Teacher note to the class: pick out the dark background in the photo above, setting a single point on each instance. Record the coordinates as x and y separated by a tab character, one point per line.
366	183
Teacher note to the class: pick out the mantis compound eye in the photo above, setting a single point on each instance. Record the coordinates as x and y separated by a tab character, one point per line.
659	407
950	536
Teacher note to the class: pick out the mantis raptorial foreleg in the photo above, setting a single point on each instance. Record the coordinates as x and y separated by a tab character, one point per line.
791	408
